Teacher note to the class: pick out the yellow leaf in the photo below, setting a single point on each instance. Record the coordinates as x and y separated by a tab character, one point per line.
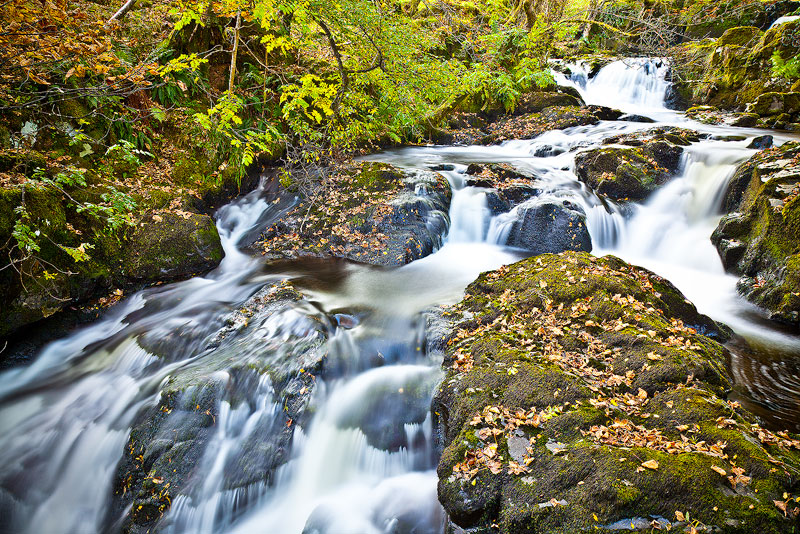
650	464
719	470
679	515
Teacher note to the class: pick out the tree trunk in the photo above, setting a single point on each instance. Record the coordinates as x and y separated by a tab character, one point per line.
235	51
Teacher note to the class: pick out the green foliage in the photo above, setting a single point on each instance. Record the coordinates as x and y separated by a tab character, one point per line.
25	237
115	210
785	69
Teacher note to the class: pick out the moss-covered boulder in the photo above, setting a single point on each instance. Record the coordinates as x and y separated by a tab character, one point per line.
621	173
368	212
737	68
170	245
79	256
758	238
634	173
580	394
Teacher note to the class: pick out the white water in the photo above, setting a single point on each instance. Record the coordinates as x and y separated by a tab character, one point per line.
65	419
631	85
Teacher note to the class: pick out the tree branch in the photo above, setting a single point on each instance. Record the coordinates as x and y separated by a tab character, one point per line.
127	6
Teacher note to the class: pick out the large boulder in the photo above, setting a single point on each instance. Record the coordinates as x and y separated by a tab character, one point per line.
758	238
548	226
634	173
530	125
371	212
81	256
170	246
580	394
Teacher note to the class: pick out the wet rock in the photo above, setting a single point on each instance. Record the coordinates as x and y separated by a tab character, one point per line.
509	185
745	120
565	398
372	212
542	226
171	248
547	151
634	173
761	142
620	174
605	113
635	118
168	453
758	238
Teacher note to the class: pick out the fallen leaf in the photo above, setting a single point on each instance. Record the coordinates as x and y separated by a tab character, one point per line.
650	464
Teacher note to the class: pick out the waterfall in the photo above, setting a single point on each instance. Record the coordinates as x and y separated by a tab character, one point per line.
634	85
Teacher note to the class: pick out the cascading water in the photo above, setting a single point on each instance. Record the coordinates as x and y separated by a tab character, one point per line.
363	463
631	85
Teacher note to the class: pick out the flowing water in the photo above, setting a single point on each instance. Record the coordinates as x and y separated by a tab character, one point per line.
364	461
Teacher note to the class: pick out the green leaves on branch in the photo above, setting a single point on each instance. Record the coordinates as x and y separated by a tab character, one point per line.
789	69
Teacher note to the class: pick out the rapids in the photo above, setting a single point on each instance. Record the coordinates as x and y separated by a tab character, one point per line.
65	417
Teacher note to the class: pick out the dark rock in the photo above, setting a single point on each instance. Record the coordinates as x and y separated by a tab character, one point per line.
605	113
745	120
620	174
168	442
635	118
474	168
547	151
392	217
550	226
760	143
634	173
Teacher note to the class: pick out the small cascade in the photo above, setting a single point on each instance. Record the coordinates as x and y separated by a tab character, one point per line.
674	225
469	216
634	85
353	450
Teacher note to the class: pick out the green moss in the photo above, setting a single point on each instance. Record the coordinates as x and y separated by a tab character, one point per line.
552	303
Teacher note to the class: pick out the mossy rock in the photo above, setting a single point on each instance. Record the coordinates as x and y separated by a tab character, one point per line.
580	395
727	15
758	239
369	212
538	101
729	72
620	173
169	246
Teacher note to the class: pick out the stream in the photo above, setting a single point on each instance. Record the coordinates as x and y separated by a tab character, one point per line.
364	462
